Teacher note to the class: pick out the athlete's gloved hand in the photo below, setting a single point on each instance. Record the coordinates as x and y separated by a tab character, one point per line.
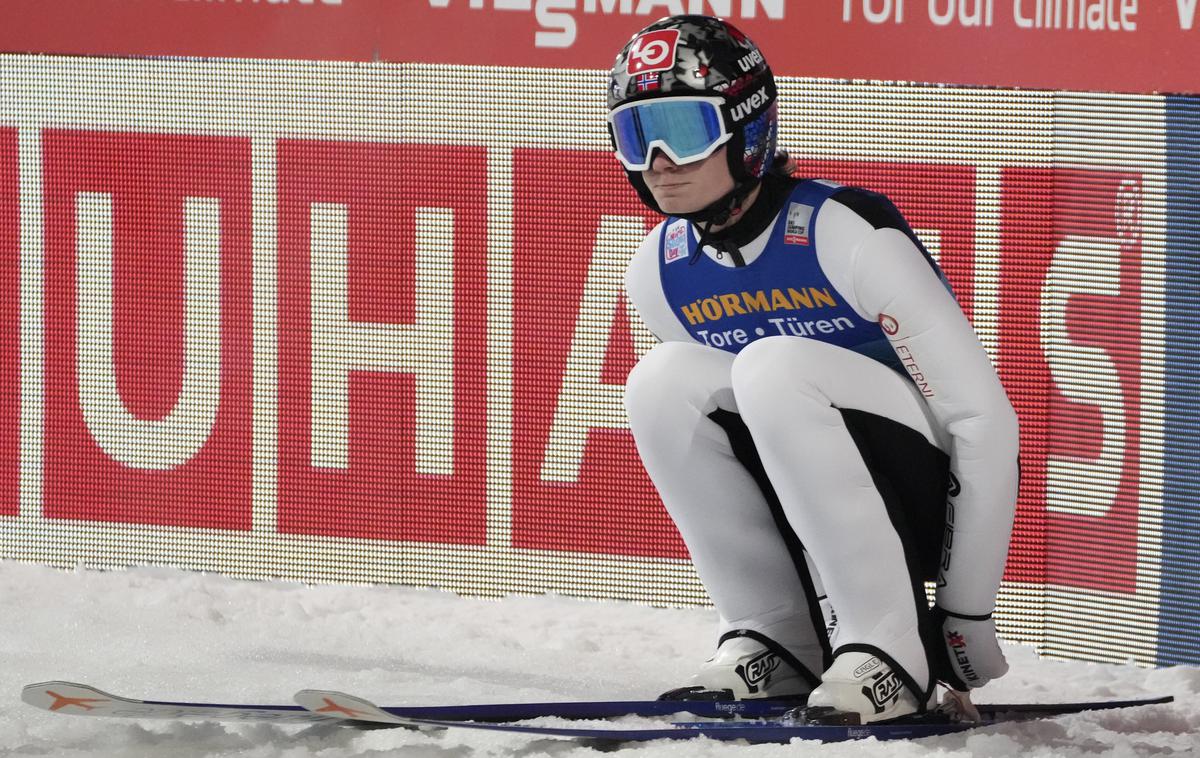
973	655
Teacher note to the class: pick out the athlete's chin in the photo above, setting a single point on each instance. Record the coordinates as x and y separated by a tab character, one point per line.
672	203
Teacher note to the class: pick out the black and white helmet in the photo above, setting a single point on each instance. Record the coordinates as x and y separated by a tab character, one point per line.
705	60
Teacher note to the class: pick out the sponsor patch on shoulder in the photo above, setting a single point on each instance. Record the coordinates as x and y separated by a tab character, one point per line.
798	217
675	245
889	325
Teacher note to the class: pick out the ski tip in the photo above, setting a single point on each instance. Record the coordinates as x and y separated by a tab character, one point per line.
349	707
67	697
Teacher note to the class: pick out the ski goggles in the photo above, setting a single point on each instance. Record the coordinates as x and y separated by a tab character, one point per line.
686	129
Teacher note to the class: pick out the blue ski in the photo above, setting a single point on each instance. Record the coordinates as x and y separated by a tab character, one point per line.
365	714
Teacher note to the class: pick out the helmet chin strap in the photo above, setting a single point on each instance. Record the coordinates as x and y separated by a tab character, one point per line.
722	209
717	213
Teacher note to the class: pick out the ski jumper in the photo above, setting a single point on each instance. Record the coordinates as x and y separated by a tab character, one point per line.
825	429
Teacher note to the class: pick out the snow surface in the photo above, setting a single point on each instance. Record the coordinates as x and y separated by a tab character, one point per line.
166	634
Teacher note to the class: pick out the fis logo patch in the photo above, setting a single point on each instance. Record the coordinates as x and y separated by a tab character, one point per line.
757	671
675	242
883	690
798	217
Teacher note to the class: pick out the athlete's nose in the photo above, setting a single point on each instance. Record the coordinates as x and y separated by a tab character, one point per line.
660	162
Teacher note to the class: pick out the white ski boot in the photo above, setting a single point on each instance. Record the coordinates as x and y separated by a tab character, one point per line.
861	688
743	669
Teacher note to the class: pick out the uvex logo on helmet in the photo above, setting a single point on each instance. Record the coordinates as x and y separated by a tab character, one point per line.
653	51
748	106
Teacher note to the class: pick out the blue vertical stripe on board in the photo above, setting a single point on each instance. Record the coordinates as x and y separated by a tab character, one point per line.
1179	605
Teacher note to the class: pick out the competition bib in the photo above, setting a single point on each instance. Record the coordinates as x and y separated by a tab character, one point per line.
783	292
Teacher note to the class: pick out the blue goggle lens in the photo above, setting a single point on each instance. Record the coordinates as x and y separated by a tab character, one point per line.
687	130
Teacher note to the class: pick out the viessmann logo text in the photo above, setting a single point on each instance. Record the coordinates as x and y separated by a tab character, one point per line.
558	27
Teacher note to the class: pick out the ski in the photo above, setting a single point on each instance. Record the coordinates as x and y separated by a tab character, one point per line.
85	700
363	713
335	708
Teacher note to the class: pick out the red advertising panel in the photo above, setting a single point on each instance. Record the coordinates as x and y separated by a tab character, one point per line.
148	328
1061	44
10	324
578	483
382	340
1112	45
1070	357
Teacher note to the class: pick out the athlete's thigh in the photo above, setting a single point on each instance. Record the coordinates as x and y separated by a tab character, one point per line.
842	378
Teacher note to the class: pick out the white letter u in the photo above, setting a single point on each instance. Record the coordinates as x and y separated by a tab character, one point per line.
168	442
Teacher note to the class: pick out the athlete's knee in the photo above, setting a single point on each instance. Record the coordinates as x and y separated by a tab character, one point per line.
673	380
651	378
776	367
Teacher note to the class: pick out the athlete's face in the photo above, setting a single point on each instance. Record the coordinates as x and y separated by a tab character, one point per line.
688	188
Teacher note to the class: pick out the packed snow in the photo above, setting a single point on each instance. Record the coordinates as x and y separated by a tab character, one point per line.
167	634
